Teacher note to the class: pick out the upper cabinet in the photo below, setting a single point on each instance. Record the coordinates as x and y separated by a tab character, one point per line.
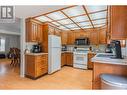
53	31
102	36
33	30
64	38
57	32
94	40
71	38
96	36
81	34
118	22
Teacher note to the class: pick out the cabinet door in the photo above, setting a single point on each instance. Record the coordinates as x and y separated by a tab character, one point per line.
90	64
51	30
118	22
63	60
57	32
94	38
33	31
102	36
64	38
69	59
71	38
30	65
39	33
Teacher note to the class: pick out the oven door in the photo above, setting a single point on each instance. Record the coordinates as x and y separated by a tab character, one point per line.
80	58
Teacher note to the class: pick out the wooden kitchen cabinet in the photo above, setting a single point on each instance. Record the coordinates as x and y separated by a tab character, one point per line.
94	38
90	64
102	36
118	22
53	31
81	34
57	32
36	66
64	38
33	30
106	68
71	38
63	59
69	58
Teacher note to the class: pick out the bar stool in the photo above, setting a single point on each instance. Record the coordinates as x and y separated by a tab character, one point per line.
111	81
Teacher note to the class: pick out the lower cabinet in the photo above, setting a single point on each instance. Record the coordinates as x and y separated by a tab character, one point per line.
67	59
36	65
90	64
63	59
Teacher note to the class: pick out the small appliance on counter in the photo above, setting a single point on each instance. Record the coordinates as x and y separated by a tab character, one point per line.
36	48
82	41
108	48
64	48
116	48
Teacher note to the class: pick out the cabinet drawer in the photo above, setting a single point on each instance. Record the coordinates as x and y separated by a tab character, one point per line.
41	71
41	59
41	64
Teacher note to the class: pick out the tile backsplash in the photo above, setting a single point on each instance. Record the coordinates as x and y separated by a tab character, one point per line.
100	48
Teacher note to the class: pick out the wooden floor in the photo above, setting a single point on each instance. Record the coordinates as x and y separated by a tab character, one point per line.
66	78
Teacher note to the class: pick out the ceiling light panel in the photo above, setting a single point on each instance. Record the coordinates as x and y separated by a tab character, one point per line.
74	28
95	8
80	18
66	21
74	11
43	19
56	15
71	25
55	23
84	24
84	27
98	15
99	25
62	27
99	21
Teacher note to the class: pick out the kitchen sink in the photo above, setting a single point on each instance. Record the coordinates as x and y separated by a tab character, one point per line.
105	55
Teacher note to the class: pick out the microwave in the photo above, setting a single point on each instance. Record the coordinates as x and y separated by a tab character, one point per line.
82	41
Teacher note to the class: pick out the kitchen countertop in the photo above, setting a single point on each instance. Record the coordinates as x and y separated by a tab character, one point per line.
108	60
66	51
36	54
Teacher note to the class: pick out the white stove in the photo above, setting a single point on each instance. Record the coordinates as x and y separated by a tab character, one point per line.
81	58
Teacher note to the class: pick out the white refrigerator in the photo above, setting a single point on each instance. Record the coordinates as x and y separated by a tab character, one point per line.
54	53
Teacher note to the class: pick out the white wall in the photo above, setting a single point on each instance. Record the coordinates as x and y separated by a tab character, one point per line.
11	27
11	41
23	46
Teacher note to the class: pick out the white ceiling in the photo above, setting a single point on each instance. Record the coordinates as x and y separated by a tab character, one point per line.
25	11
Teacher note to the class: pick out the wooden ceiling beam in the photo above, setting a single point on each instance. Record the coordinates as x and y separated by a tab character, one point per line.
71	19
88	15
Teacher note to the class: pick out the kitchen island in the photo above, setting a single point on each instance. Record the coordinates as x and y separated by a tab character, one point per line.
105	64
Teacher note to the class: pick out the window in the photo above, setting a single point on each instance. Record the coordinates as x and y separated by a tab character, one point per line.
2	44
